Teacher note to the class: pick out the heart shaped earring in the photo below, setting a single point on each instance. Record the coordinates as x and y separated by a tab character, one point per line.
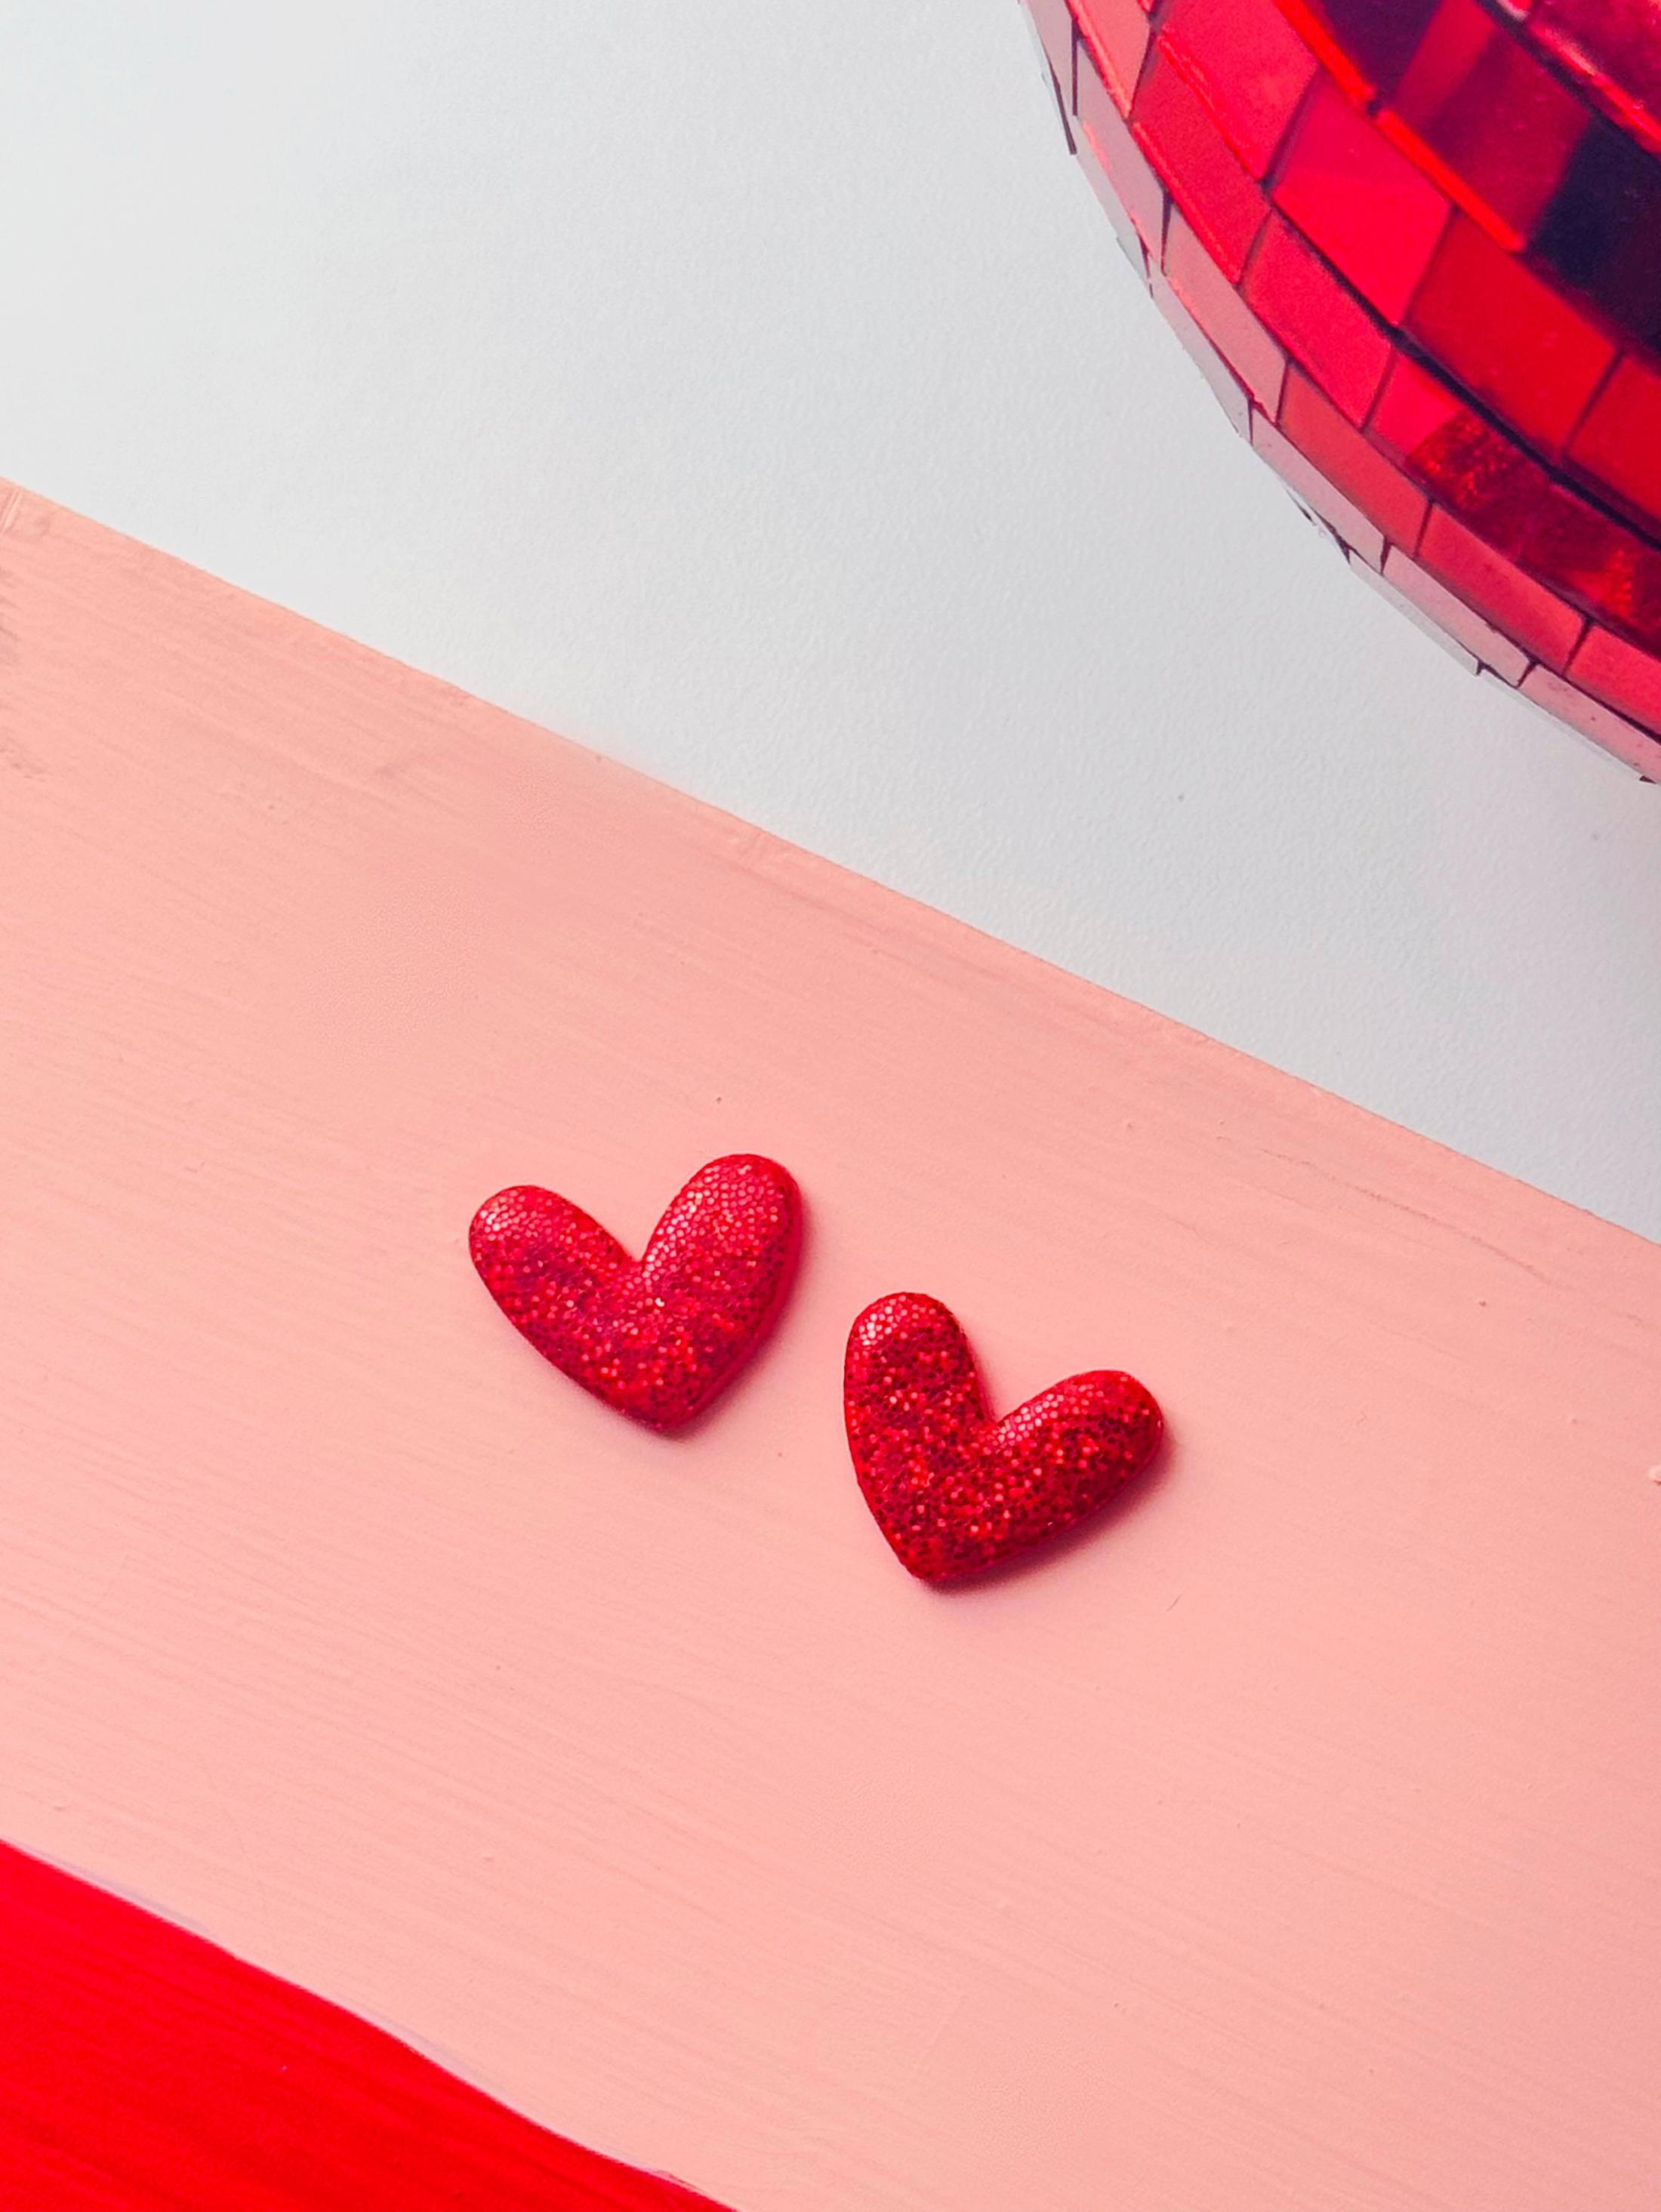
657	1337
953	1490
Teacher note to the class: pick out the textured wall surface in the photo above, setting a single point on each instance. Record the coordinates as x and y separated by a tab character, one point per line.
1286	1844
752	390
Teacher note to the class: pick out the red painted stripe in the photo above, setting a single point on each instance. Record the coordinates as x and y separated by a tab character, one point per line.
143	2070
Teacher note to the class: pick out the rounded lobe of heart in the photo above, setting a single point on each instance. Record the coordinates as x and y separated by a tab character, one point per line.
954	1490
658	1337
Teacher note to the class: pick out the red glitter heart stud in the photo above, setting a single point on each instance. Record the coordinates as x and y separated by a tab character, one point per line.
953	1490
656	1337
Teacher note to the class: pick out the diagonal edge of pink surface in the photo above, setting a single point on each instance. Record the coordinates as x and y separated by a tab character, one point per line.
1287	1845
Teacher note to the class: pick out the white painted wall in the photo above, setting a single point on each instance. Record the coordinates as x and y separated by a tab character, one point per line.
752	390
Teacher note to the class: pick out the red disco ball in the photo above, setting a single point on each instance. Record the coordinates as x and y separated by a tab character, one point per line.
1415	247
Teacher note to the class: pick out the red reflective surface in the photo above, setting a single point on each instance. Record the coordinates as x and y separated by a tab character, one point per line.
1485	118
1502	333
1247	63
1208	181
1415	247
1360	201
1320	323
1612	47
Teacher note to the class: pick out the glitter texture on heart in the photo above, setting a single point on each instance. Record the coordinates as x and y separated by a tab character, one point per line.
656	1338
955	1490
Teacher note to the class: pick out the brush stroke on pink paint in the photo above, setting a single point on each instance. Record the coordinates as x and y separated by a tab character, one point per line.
1286	1844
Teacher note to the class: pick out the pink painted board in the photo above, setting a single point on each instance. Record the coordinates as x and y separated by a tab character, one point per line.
1287	1845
